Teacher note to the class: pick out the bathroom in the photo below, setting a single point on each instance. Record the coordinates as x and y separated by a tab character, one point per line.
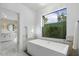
21	22
8	31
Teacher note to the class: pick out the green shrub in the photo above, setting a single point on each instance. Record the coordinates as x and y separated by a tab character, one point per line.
54	30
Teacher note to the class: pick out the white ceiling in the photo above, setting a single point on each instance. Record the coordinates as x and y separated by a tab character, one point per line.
36	6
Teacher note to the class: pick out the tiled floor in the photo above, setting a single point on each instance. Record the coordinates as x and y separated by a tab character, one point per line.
9	48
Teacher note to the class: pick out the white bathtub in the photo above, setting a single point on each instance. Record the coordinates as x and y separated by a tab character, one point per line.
39	47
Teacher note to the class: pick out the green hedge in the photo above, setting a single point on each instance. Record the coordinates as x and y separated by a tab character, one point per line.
54	30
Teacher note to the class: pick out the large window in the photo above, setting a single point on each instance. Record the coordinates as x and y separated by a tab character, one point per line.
54	24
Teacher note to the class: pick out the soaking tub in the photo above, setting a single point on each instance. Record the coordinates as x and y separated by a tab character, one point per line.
39	47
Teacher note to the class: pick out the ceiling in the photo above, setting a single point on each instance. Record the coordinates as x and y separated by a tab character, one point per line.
36	6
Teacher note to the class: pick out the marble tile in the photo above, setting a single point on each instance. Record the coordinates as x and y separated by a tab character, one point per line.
9	48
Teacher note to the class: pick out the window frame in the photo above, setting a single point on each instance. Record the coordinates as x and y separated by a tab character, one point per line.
51	13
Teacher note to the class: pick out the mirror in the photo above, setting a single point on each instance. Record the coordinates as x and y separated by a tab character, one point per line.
10	27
